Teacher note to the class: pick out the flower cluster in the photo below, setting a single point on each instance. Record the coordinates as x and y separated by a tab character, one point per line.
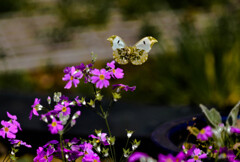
216	141
72	149
9	130
100	77
192	155
61	114
58	118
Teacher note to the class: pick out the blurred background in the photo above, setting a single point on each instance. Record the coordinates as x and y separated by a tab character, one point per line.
196	59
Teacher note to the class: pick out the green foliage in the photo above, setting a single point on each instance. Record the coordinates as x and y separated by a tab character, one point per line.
213	116
83	13
206	4
132	9
12	5
233	115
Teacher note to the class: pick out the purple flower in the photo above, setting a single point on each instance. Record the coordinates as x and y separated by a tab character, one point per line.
205	133
180	156
8	129
78	101
101	137
46	117
115	73
72	77
13	117
63	108
86	147
44	156
197	155
80	67
136	156
35	106
124	87
231	156
67	70
55	126
166	158
235	130
64	98
100	77
91	157
17	143
14	120
52	142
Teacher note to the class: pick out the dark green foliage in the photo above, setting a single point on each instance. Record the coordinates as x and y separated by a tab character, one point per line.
11	5
83	12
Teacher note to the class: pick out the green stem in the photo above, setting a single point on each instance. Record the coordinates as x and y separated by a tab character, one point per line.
105	115
110	105
61	144
125	149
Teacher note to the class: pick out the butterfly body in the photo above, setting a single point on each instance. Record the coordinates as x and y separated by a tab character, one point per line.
136	54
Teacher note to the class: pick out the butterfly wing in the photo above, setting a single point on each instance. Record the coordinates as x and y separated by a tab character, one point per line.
141	49
120	50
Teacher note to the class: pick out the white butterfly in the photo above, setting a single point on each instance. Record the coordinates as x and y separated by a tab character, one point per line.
136	54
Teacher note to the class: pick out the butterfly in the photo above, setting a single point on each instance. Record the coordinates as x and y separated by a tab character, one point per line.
137	54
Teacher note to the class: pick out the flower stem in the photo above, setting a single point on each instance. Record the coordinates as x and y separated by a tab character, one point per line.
125	149
61	141
105	115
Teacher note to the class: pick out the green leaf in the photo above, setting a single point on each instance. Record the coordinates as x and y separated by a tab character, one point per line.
193	130
213	116
233	115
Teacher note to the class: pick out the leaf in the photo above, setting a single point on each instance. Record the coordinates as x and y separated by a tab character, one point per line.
193	130
213	116
233	115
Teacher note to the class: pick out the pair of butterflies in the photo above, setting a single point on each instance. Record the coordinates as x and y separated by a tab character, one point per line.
137	54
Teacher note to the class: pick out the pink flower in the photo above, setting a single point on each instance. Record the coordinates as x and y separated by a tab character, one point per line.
44	156
235	130
8	129
55	126
35	106
91	157
124	87
115	73
100	77
166	158
17	143
13	117
14	120
102	138
72	77
136	156
63	108
197	155
205	133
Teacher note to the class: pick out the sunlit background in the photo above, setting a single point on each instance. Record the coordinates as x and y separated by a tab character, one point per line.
196	59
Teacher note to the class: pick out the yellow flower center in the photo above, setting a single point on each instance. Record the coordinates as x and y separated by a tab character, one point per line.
45	157
94	160
71	78
195	157
6	129
64	109
101	77
113	70
202	131
19	142
54	124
